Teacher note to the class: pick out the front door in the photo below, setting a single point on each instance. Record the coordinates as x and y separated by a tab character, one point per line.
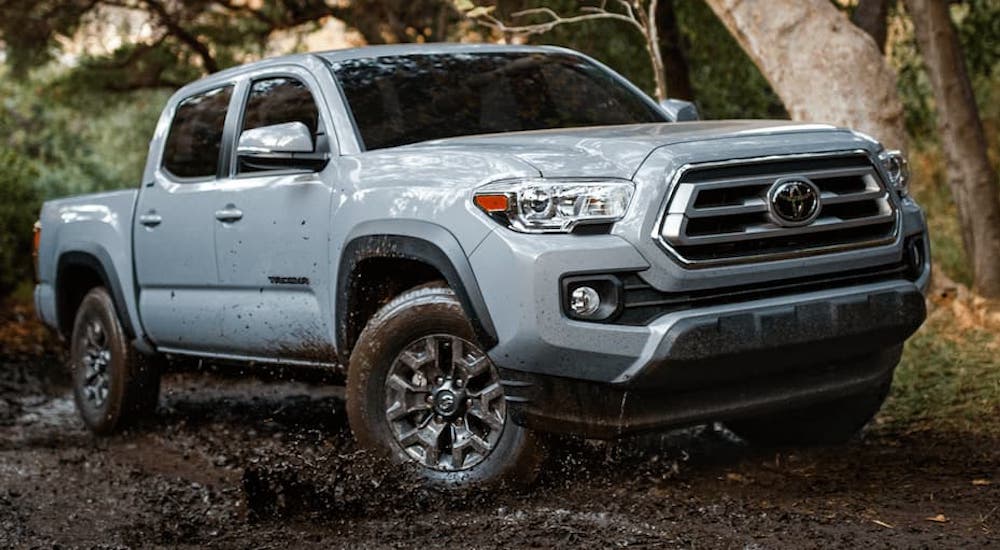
271	239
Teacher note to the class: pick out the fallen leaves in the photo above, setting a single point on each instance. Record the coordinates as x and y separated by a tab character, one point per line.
940	518
738	478
883	524
968	309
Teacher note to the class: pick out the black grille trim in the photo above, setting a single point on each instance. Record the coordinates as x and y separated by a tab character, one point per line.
643	303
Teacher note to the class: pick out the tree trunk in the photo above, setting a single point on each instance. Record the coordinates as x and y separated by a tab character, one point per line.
675	63
972	180
822	67
647	24
872	16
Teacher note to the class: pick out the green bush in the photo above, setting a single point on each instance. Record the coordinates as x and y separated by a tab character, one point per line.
19	204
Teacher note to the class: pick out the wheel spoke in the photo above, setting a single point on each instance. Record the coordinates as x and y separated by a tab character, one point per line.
412	360
430	438
486	416
477	366
490	393
399	410
396	382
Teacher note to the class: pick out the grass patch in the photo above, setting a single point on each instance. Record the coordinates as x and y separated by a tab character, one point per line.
949	378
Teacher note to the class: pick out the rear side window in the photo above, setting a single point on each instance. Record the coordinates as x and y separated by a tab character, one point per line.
280	100
195	138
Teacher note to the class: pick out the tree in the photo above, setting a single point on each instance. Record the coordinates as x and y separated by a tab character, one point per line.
872	16
971	178
195	37
675	63
821	66
18	212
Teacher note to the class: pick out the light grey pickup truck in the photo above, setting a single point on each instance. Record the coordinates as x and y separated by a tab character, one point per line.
493	243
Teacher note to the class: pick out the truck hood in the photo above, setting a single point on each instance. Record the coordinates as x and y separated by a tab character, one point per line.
611	151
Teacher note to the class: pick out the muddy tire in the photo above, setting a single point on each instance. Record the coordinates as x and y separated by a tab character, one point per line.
421	391
113	385
828	423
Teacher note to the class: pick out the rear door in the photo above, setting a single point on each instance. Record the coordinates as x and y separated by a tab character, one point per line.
174	228
272	252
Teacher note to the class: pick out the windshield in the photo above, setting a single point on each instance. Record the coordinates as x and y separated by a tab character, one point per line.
398	100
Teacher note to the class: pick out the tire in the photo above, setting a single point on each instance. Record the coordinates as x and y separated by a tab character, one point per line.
828	423
113	385
421	326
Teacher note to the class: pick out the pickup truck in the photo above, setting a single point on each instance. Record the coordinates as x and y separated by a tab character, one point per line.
493	244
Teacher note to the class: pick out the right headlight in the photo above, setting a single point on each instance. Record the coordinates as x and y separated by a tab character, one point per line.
898	170
540	205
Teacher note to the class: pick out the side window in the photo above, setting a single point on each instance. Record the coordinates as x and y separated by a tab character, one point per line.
277	101
195	137
280	100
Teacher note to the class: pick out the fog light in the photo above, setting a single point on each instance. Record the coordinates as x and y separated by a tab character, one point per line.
584	301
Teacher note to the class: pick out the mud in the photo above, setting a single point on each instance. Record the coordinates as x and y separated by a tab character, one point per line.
242	462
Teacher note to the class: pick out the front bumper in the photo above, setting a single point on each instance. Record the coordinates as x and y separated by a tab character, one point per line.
734	361
685	367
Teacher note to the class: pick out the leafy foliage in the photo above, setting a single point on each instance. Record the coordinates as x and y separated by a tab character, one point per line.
979	32
18	211
77	142
191	38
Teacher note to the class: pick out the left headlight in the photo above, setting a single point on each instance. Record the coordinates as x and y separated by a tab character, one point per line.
898	170
540	205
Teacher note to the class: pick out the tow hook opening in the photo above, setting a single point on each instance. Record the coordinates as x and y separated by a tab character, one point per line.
915	257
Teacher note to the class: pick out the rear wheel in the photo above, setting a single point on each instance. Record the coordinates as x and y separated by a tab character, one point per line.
826	423
421	390
113	386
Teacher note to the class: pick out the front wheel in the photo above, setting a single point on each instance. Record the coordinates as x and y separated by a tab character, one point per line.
420	390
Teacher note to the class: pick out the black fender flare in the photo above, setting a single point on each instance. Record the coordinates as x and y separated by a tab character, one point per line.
100	262
412	240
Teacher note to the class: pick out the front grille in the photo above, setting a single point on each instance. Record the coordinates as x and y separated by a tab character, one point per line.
718	213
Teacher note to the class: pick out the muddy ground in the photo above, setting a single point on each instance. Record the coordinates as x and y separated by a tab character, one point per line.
238	462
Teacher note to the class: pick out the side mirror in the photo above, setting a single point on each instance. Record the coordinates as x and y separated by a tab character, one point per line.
287	146
678	110
290	137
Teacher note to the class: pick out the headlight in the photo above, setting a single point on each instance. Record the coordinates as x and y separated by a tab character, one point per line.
897	169
541	205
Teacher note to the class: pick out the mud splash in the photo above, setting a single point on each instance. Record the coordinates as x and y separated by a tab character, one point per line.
233	462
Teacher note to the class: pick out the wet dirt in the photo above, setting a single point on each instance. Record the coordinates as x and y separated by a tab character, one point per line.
243	462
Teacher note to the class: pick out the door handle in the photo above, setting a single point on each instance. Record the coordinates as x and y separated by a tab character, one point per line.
229	214
152	219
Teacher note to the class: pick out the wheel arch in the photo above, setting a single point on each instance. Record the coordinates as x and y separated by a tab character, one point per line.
409	243
78	272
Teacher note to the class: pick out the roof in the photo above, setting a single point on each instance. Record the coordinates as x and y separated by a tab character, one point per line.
427	49
333	56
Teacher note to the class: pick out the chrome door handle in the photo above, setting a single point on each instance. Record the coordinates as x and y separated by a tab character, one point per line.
229	214
151	219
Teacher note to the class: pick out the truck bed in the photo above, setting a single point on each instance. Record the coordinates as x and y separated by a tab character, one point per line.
98	224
